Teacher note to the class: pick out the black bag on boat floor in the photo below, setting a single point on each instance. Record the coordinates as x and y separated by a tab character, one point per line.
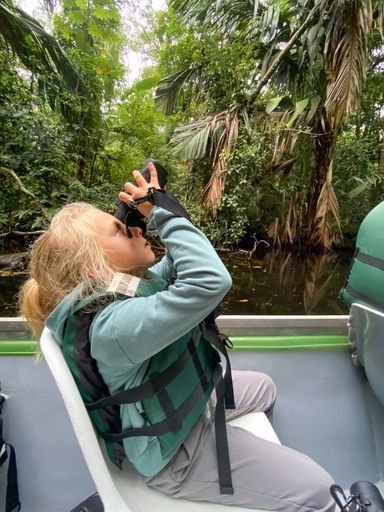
9	492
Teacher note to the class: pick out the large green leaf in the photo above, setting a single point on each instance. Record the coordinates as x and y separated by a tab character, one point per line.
146	84
190	141
359	189
38	50
275	102
315	102
169	88
299	109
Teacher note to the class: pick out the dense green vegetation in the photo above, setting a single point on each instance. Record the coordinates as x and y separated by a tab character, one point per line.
269	116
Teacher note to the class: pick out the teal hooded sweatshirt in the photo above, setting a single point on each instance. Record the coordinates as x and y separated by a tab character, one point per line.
127	333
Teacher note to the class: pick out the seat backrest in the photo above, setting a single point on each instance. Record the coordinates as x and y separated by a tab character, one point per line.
82	425
368	332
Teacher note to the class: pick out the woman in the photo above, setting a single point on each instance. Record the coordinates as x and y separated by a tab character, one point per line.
84	251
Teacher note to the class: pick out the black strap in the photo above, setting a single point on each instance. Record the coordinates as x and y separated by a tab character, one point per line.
168	201
192	345
211	333
162	427
145	390
222	452
364	298
171	414
371	260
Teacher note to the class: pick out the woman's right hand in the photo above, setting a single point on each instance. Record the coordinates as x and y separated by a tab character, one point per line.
141	189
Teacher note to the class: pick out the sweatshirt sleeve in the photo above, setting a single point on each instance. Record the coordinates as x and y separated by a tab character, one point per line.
164	268
140	327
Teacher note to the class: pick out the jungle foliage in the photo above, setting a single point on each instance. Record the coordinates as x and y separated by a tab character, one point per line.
269	116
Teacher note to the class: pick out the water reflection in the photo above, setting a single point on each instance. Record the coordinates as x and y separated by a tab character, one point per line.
282	282
275	283
9	287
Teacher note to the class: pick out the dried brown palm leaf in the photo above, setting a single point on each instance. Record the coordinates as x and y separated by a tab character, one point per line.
316	283
287	229
213	190
284	266
324	233
273	232
224	131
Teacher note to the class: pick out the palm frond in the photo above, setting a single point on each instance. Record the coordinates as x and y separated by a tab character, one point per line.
37	49
190	141
227	15
324	234
169	87
275	61
346	49
212	136
227	124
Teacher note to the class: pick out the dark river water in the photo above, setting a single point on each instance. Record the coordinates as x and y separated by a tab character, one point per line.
275	283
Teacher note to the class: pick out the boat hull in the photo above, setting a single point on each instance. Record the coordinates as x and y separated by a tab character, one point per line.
325	407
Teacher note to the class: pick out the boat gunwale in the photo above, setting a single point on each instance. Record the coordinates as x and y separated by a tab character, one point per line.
249	332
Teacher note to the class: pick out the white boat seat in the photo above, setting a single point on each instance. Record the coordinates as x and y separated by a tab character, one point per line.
125	491
367	333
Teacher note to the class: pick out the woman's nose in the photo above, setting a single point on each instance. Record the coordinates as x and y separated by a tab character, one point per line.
136	231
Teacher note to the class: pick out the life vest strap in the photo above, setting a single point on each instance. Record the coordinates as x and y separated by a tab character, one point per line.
162	427
192	347
157	381
211	333
222	452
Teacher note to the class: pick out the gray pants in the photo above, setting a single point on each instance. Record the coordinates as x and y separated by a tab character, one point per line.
264	474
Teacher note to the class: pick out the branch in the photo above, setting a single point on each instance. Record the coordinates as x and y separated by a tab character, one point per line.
12	173
281	54
22	233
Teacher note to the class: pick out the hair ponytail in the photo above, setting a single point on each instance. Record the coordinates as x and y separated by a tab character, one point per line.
31	306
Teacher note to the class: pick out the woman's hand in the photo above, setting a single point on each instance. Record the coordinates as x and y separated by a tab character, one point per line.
141	189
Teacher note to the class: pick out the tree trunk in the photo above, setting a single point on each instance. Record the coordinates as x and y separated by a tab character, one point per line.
323	209
324	144
81	171
14	261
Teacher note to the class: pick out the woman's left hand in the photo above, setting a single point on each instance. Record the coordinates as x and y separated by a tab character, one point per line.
140	190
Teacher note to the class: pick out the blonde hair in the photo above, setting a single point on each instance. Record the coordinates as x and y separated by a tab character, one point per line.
67	254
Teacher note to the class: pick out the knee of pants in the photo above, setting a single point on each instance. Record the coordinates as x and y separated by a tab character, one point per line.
320	499
269	391
272	388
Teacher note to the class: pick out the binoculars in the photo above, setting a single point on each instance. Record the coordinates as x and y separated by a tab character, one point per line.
130	216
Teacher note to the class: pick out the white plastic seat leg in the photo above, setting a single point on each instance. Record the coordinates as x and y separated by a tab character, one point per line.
125	491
